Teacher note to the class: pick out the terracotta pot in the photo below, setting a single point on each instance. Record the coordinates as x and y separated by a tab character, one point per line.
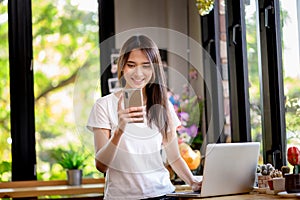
292	183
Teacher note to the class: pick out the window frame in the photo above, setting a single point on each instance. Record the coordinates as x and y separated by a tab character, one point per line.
272	95
21	90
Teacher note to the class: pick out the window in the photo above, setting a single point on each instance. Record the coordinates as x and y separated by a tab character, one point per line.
290	42
5	139
254	72
65	46
267	66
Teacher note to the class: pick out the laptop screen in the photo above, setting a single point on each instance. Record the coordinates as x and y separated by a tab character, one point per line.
229	168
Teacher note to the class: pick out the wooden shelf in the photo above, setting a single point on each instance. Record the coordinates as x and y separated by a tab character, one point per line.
48	188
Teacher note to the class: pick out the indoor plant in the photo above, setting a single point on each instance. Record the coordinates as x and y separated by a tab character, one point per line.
73	161
263	172
292	180
277	183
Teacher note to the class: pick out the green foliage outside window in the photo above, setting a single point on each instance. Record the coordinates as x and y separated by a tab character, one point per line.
291	87
65	43
5	162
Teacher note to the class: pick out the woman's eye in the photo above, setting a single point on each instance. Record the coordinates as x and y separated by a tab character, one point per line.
146	66
130	65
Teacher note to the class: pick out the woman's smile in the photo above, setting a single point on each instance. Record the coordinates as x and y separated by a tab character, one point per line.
138	81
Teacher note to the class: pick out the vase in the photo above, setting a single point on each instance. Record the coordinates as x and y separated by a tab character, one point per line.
292	183
74	176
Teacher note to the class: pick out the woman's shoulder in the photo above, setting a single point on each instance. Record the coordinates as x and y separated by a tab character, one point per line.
107	98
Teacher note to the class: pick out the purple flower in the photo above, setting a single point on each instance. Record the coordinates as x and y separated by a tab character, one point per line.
181	130
192	130
183	116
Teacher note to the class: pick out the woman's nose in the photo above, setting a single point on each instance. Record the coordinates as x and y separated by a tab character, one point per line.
139	70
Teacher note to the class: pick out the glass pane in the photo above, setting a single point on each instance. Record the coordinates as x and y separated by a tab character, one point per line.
65	43
253	70
5	139
290	11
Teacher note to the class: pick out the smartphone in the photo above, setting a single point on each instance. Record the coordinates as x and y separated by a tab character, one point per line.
133	97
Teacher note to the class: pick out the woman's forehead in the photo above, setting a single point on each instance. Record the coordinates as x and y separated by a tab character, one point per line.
138	54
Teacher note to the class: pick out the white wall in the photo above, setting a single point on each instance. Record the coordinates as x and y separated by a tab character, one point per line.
169	23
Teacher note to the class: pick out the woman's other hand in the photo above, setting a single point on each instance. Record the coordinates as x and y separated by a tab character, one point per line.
196	185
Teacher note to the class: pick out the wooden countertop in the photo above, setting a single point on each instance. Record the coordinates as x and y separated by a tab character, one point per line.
257	194
96	186
245	197
250	196
48	188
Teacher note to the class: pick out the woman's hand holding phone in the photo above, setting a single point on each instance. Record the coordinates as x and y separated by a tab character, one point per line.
129	115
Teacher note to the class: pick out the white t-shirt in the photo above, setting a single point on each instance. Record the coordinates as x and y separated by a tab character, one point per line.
137	171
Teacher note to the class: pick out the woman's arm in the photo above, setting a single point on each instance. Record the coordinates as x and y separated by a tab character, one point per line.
181	169
178	164
106	146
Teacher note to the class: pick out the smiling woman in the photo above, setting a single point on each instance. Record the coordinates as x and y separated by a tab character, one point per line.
126	149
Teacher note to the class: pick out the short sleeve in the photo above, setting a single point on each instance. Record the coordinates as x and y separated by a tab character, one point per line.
174	117
99	116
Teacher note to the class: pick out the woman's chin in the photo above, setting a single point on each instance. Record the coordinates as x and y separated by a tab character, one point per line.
137	85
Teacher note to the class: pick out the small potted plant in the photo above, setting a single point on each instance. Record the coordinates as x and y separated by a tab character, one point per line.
73	161
292	180
278	182
264	172
285	170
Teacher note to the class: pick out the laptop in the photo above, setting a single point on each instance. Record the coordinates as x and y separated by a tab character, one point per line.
229	168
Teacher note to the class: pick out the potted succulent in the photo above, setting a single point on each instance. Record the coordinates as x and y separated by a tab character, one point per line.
73	162
277	183
292	180
264	172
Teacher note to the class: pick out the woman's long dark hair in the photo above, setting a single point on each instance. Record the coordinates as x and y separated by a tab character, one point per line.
156	90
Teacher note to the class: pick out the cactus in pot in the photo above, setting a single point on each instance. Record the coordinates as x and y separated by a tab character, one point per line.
292	180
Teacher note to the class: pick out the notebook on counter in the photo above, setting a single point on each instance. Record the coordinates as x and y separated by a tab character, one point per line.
229	168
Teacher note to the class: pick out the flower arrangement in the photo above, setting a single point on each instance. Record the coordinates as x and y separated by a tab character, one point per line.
189	111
